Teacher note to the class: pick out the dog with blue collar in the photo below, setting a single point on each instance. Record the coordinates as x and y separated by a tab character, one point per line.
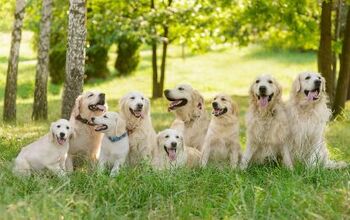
115	143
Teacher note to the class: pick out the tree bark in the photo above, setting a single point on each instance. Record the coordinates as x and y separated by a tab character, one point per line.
75	59
42	68
163	64
344	72
325	49
12	69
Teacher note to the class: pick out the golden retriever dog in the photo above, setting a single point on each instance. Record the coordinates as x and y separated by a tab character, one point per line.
191	117
172	153
115	142
267	123
86	141
49	152
308	115
221	144
135	109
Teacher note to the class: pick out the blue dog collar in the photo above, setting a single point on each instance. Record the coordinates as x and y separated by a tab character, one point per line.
118	138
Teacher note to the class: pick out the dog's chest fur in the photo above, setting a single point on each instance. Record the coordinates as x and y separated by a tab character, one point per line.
194	132
86	140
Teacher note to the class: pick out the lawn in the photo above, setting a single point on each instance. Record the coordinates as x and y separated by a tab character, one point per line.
268	192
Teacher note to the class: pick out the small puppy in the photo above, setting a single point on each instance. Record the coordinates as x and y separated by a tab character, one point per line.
308	115
49	152
267	123
222	140
191	118
172	153
115	142
135	109
86	141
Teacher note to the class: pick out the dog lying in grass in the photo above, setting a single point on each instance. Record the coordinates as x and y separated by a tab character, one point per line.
222	140
49	152
172	153
115	142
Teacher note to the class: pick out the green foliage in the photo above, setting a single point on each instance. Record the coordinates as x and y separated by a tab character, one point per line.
128	54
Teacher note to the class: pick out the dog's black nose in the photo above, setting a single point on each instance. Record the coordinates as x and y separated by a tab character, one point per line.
173	144
215	104
62	134
92	119
139	106
317	82
262	89
166	92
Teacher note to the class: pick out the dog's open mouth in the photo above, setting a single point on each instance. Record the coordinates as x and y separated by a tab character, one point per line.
61	140
137	113
171	152
264	100
219	111
100	106
312	94
176	103
101	127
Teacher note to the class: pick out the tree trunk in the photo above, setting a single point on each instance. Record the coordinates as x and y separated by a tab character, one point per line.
12	69
75	59
42	68
344	72
163	64
325	49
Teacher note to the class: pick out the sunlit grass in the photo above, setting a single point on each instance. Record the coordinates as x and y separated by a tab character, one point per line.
268	192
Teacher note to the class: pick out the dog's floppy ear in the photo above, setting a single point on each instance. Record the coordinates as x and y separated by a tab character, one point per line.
121	125
251	93
122	103
234	108
147	106
198	99
279	89
51	134
76	108
296	87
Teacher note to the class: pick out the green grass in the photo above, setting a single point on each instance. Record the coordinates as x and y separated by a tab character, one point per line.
267	192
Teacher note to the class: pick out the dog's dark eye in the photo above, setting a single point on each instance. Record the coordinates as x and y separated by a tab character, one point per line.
132	97
105	116
319	77
223	99
142	98
166	136
307	78
270	81
181	89
58	126
67	128
90	95
257	81
177	137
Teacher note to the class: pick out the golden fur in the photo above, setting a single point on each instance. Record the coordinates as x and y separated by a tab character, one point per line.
221	142
308	115
193	116
181	155
267	123
142	137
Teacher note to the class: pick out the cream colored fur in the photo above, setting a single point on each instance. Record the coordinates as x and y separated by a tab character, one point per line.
221	143
267	125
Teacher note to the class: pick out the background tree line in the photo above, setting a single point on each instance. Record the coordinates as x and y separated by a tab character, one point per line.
198	26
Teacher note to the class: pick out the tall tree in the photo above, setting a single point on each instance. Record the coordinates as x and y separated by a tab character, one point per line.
325	48
158	80
344	72
12	69
75	59
42	68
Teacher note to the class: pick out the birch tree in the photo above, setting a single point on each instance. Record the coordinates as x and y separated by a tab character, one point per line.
12	69
42	68
75	58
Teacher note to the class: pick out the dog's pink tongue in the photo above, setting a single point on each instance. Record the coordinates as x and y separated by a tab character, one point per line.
60	141
101	107
264	101
312	95
172	154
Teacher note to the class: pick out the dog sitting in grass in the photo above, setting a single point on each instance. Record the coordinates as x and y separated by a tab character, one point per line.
171	152
49	152
115	143
221	144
